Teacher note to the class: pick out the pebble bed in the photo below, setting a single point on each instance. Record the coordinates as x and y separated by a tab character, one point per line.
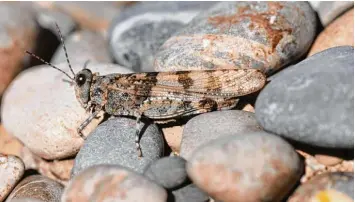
291	141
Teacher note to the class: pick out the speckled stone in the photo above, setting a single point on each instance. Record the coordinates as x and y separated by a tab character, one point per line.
17	34
47	110
82	46
210	126
112	142
312	101
261	35
252	167
138	31
37	187
169	172
11	171
331	187
189	193
338	33
111	183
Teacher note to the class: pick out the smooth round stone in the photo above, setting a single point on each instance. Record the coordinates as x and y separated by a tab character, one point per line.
17	34
261	35
112	142
37	187
338	33
210	126
330	187
138	31
189	193
82	46
95	16
256	166
312	101
169	172
11	171
330	10
41	110
26	200
112	183
48	18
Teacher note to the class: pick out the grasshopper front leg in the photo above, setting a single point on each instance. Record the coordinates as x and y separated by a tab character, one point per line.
85	123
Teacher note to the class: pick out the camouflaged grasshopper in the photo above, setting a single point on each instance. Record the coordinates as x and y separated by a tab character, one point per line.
160	95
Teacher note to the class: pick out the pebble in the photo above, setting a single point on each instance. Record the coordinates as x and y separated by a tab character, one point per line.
189	193
17	34
312	101
330	10
11	171
210	126
173	136
252	167
82	46
261	35
328	160
112	183
94	16
47	110
169	172
26	200
338	33
112	142
329	187
48	18
37	187
138	31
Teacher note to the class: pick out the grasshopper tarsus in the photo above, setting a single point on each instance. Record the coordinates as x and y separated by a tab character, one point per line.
136	139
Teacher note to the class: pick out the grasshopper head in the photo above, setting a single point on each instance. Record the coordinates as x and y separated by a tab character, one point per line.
83	81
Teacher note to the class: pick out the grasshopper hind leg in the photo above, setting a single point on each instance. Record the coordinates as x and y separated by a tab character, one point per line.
136	139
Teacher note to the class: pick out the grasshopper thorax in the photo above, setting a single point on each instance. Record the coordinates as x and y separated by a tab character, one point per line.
83	80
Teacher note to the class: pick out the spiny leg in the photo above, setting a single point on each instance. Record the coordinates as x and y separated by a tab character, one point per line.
86	122
136	140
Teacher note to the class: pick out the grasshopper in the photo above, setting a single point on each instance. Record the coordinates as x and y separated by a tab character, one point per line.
159	95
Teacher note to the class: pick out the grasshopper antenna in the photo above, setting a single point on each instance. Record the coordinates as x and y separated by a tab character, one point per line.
65	49
47	63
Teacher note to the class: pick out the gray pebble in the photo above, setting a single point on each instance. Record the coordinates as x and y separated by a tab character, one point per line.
47	19
168	172
210	126
330	10
37	187
261	35
138	31
112	183
312	101
112	142
256	166
190	193
82	46
335	186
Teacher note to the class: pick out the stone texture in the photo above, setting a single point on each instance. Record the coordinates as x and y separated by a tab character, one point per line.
330	187
252	167
95	16
37	187
210	126
338	33
11	171
330	10
47	110
189	193
262	35
17	34
138	31
82	46
169	172
312	101
112	183
112	142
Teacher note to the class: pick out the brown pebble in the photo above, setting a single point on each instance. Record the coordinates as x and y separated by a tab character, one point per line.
37	187
328	160
173	136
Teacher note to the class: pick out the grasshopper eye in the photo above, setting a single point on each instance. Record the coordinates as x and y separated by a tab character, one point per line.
80	80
